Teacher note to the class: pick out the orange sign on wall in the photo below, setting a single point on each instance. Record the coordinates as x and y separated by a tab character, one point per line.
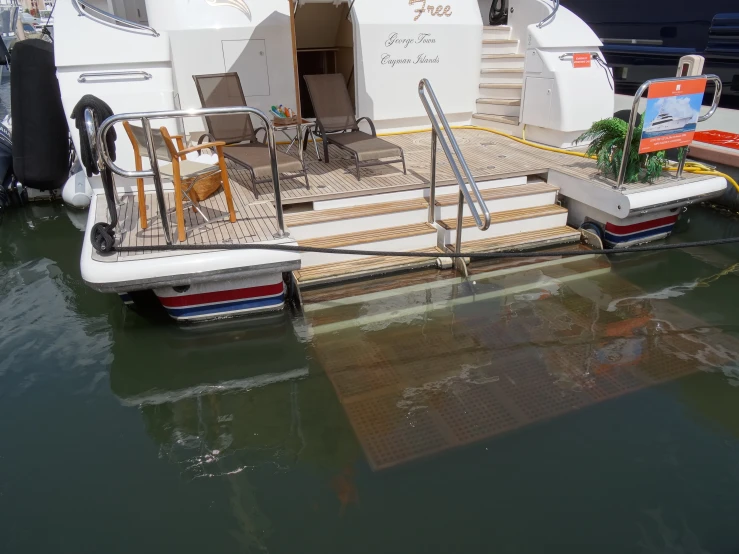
672	114
581	59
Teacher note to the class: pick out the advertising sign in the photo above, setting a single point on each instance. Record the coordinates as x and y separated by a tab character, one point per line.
672	114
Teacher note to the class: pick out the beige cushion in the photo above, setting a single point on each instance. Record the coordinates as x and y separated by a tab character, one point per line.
187	167
366	146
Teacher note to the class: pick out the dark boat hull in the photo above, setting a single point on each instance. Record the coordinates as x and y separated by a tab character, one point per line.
645	40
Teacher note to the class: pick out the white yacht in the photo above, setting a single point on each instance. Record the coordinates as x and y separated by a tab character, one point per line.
482	88
666	122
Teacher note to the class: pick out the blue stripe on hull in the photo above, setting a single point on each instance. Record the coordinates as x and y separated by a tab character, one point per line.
617	239
217	309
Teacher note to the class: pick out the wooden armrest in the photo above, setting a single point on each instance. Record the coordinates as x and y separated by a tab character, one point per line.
201	147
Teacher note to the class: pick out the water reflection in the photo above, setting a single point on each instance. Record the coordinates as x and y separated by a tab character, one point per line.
237	402
504	353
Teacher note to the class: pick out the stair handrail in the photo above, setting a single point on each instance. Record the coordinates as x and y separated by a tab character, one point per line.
423	87
145	119
548	19
87	10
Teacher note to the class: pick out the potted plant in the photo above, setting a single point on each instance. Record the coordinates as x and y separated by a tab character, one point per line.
607	138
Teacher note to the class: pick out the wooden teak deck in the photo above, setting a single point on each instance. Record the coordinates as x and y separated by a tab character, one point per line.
489	156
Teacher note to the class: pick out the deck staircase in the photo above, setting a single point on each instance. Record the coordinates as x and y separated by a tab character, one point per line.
524	215
501	80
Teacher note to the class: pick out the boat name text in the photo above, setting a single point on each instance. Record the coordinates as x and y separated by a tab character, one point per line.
438	11
422	38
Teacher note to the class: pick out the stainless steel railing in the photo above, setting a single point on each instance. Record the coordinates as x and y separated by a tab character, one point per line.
635	112
96	14
145	117
548	19
483	222
84	77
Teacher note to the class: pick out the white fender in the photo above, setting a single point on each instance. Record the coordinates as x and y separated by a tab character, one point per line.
77	191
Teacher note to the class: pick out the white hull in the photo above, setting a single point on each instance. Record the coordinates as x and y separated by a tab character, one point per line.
510	78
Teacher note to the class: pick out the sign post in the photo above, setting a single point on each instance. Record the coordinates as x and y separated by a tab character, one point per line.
671	116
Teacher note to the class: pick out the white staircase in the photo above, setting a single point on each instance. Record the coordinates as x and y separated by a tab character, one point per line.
501	80
524	215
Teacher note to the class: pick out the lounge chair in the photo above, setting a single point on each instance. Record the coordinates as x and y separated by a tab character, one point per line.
338	125
185	174
242	144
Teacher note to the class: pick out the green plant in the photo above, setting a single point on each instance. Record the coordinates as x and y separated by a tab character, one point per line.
607	138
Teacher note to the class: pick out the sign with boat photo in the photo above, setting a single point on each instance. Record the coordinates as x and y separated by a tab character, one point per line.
671	117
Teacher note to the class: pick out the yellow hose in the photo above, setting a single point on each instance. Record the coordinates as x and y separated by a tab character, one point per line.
690	167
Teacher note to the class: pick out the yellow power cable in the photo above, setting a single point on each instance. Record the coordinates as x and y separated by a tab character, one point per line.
691	167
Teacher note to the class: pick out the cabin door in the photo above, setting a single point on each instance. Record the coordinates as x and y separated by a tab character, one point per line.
324	43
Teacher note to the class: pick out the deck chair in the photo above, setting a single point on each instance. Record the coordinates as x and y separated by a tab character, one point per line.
181	170
338	125
242	144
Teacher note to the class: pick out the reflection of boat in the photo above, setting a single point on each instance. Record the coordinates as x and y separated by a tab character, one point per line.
665	122
218	398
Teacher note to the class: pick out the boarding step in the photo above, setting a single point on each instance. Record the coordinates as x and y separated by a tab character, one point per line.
505	223
501	90
499	106
499	61
363	217
502	75
378	197
522	241
413	236
501	200
511	120
363	267
496	31
499	46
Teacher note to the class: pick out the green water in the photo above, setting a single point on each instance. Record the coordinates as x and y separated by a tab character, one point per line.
125	434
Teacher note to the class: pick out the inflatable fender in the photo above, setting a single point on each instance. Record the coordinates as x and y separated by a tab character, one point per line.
40	131
77	191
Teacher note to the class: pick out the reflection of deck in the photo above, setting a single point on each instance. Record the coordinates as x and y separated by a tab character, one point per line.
489	156
531	352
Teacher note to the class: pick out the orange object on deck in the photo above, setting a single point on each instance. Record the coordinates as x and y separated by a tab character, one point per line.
718	138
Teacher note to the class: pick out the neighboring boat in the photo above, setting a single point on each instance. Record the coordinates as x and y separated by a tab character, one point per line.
645	39
541	76
665	122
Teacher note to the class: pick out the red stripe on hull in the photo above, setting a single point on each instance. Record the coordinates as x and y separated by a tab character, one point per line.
643	226
221	296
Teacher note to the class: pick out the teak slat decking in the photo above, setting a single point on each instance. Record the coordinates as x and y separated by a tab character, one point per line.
489	156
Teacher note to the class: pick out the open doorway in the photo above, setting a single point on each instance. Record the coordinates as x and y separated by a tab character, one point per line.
324	38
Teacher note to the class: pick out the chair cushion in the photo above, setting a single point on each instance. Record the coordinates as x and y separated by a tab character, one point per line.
187	168
366	146
256	156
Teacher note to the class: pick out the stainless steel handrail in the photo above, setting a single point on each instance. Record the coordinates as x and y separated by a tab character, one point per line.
144	117
83	9
84	76
464	195
548	19
91	130
635	112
